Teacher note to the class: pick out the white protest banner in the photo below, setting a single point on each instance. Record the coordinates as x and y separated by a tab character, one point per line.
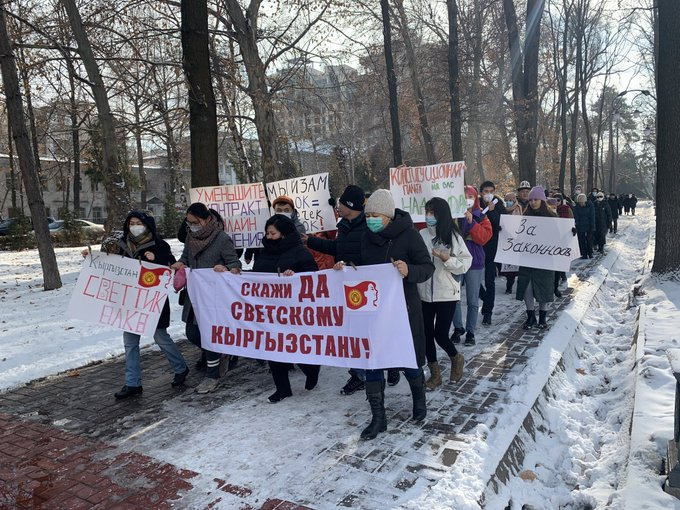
411	187
310	194
242	206
120	292
537	241
351	318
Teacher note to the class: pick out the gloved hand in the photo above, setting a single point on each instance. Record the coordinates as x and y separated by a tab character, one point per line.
573	230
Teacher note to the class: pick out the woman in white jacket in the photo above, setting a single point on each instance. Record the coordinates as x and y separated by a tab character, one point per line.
440	294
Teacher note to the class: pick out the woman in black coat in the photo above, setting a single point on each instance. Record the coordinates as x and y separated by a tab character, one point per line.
392	238
140	241
283	252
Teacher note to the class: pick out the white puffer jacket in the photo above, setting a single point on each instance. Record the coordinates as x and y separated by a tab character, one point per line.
443	286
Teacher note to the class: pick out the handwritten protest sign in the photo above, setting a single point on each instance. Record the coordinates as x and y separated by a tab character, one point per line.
411	187
120	292
243	207
536	241
352	318
310	194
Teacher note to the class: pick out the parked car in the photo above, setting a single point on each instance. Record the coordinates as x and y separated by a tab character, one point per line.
6	226
90	230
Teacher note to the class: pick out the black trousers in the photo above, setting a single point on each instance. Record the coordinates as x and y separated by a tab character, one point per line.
585	243
615	224
437	318
280	374
488	293
212	358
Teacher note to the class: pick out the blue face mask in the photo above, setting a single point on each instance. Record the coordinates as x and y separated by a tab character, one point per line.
509	203
375	225
431	221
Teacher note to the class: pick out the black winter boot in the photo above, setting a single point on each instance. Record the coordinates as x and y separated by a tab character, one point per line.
531	319
393	376
418	393
542	323
375	394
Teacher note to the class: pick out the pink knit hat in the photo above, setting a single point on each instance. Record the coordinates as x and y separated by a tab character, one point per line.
537	193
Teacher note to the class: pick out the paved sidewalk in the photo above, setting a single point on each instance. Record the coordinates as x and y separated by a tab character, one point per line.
57	434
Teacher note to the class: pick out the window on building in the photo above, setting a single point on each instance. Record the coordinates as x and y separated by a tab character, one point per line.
97	215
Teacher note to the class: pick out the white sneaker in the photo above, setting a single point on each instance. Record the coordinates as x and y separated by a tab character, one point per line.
207	385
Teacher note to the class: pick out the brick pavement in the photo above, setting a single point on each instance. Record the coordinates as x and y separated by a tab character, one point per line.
56	435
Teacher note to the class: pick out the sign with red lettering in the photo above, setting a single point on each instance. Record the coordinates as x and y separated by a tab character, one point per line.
310	193
243	208
354	318
412	187
120	292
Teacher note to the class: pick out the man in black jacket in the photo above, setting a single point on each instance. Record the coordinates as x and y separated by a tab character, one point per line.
493	212
346	247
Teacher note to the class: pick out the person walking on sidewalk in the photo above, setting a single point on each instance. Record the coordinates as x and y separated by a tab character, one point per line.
207	245
614	207
495	207
563	211
346	247
441	293
476	230
536	283
584	218
603	218
283	252
392	238
140	241
632	200
511	207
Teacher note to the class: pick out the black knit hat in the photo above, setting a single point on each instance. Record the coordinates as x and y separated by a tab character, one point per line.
353	197
281	223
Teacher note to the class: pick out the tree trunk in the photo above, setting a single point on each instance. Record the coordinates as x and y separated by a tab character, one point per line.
75	139
428	143
117	204
391	83
202	108
525	83
140	156
454	89
10	79
666	254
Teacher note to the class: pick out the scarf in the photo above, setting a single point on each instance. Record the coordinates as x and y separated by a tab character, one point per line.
135	241
197	242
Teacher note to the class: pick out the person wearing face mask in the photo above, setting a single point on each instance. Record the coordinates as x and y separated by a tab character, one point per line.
346	247
441	293
285	205
593	195
476	229
487	292
536	284
392	238
603	218
511	207
140	241
584	219
283	252
207	245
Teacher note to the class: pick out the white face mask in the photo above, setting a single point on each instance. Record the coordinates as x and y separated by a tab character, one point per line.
195	228
286	214
488	197
469	202
137	230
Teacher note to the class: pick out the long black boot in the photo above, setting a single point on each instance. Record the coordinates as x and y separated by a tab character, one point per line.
418	393
375	394
542	323
531	319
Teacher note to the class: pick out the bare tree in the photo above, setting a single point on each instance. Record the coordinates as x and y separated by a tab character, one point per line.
48	261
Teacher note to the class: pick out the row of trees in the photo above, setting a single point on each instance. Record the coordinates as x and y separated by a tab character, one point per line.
519	91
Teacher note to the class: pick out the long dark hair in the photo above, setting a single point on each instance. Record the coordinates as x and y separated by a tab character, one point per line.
199	210
446	227
544	210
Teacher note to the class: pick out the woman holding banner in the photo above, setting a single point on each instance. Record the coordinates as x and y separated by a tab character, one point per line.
392	238
283	253
141	242
207	245
441	293
536	284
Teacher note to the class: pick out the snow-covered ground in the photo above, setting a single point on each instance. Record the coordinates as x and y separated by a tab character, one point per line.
578	459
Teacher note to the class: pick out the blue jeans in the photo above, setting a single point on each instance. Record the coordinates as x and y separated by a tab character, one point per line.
473	279
133	370
359	373
379	375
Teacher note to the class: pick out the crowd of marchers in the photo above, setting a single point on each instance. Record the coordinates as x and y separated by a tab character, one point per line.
441	262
